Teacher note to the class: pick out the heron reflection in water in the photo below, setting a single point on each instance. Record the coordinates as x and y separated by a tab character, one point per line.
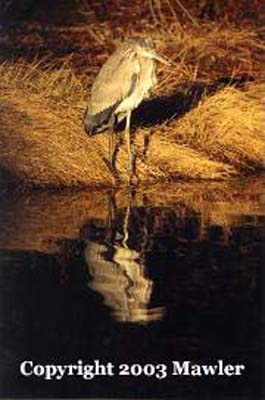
118	267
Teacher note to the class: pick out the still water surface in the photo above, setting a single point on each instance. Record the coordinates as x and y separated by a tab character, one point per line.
168	273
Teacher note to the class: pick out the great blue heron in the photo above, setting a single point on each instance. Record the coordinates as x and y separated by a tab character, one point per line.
122	83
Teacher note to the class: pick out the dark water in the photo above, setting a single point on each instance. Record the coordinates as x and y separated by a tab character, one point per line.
170	274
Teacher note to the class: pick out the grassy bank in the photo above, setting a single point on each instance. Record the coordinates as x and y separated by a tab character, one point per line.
203	121
43	141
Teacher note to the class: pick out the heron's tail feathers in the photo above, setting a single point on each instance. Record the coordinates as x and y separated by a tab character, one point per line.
100	121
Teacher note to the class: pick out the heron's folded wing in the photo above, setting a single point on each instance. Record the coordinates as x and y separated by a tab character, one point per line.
115	80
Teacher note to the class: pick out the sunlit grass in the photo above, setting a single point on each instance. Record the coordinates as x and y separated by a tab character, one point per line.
43	102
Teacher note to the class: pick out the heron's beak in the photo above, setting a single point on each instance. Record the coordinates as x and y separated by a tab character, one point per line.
161	59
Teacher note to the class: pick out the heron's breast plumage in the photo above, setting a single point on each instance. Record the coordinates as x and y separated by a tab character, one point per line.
145	81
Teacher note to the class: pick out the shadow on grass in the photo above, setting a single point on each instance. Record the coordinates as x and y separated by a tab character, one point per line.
185	97
162	109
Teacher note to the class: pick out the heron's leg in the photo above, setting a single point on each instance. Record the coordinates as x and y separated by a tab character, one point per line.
111	140
110	147
128	133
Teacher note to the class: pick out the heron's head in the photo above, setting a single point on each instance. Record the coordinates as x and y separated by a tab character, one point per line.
145	48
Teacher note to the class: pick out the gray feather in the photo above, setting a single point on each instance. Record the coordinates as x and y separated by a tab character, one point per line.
115	79
94	122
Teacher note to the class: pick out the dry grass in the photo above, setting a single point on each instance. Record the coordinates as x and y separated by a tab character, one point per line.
42	103
227	127
43	142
